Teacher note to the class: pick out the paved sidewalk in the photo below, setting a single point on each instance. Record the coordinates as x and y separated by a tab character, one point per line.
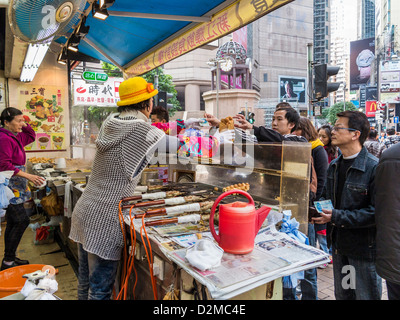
325	284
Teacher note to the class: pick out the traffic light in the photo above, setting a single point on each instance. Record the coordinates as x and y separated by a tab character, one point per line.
250	116
385	110
322	87
379	115
390	114
162	99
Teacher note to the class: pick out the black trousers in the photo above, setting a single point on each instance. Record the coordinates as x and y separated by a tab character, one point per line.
17	222
393	290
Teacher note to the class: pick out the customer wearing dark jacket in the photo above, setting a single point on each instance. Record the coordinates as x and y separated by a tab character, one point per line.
351	224
387	216
306	129
284	122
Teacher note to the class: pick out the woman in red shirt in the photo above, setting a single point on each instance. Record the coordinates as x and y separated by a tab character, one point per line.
15	134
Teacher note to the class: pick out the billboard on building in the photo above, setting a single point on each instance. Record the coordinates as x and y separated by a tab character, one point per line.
362	54
389	81
370	108
292	89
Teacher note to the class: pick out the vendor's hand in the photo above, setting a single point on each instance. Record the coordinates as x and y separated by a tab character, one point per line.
225	137
243	123
37	180
213	121
326	216
192	121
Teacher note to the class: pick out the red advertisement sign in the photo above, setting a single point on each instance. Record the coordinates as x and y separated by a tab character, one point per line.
370	108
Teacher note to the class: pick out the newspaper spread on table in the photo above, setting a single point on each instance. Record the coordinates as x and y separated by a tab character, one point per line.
275	255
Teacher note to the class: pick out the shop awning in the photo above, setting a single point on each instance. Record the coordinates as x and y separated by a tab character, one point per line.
139	36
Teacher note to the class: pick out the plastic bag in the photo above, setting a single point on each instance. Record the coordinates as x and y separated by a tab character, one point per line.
6	193
43	291
291	228
204	255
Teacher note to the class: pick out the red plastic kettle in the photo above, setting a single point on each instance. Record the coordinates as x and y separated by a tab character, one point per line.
239	223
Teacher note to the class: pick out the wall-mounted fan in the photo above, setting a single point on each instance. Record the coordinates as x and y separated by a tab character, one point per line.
40	21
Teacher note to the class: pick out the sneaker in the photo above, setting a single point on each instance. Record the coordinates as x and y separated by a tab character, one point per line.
20	262
6	266
323	266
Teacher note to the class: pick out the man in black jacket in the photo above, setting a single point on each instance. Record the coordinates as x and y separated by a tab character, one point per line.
351	225
387	217
284	122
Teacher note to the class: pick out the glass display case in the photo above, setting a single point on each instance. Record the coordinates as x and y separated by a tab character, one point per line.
278	173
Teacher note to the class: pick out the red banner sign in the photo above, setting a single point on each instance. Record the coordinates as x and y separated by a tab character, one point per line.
370	108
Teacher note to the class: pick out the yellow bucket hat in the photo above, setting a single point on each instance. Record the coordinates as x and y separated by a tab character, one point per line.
135	90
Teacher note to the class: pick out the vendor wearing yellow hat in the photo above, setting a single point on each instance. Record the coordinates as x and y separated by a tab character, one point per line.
135	94
125	144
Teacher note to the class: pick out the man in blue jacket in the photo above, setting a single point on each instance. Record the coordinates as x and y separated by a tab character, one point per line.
351	228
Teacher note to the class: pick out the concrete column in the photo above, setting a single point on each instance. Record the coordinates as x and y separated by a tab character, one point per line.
192	97
231	102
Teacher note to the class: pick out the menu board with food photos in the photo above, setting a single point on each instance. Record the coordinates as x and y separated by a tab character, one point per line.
43	108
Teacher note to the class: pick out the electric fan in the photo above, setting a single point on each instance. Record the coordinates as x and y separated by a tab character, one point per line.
40	21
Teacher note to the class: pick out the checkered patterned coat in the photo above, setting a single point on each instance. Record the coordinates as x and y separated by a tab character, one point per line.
124	146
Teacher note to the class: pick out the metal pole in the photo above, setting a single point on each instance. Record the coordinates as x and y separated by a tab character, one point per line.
310	78
218	84
387	115
344	95
156	87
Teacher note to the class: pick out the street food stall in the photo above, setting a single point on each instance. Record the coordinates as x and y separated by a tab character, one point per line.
62	176
276	175
171	211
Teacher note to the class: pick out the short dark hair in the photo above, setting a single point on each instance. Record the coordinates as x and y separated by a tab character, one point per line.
282	105
9	114
137	106
308	130
291	115
358	121
161	113
372	134
390	131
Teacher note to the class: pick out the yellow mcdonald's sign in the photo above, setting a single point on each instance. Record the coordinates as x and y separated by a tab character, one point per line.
231	18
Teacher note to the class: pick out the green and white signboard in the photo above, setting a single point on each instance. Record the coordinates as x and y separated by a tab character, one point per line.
91	76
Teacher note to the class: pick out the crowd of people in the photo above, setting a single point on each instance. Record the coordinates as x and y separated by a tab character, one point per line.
354	169
354	173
